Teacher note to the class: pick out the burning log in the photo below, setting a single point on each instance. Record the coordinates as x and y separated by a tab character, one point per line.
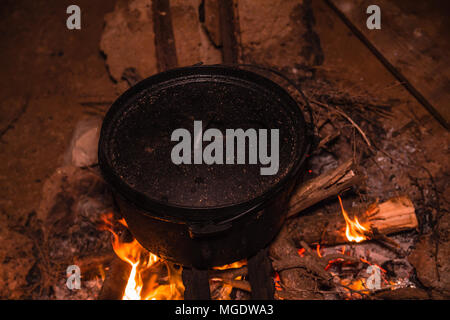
115	281
392	216
294	270
117	276
294	266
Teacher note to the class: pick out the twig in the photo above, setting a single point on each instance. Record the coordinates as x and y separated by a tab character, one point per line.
342	113
327	139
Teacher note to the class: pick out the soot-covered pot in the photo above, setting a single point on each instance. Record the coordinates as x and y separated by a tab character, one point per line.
192	187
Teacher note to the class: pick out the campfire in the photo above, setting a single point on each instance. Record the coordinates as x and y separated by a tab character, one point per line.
329	253
356	250
334	244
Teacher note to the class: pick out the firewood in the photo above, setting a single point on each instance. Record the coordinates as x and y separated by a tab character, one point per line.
228	276
292	269
196	282
396	214
117	276
115	281
402	294
260	273
392	216
296	273
324	186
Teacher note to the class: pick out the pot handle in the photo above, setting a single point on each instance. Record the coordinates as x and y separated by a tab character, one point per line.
197	230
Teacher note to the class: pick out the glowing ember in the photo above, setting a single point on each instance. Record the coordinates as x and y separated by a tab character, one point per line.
139	285
277	282
355	288
355	232
301	252
370	264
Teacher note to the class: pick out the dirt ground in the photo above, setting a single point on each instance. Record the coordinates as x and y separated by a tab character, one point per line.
49	72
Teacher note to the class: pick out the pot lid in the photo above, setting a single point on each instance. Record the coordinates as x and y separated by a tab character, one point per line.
136	151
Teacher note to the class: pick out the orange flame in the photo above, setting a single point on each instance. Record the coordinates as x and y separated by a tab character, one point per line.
236	264
355	232
318	251
143	261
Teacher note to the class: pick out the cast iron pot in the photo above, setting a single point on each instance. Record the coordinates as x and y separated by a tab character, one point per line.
197	214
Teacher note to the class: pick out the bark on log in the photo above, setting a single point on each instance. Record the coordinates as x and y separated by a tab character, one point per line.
394	215
402	294
260	276
324	186
196	283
